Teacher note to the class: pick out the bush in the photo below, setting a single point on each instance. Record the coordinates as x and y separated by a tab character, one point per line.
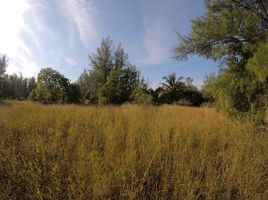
184	102
141	96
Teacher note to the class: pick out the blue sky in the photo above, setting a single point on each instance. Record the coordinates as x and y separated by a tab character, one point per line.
62	33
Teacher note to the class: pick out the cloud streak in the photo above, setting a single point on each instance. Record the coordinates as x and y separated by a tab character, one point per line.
12	42
82	12
156	19
155	43
33	28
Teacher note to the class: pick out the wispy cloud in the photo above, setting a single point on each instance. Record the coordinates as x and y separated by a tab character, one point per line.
20	40
155	43
11	20
30	29
157	29
83	13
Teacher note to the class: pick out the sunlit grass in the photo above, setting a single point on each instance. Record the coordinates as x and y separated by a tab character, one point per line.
128	152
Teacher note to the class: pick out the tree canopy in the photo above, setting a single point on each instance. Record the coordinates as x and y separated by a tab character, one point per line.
231	33
17	87
112	79
51	87
178	91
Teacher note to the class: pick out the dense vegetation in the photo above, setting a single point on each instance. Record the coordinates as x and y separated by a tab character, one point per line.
14	86
128	152
234	33
112	80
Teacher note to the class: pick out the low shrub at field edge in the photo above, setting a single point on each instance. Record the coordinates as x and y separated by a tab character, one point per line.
128	152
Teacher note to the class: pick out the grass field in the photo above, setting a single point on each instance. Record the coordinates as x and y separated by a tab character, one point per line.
129	152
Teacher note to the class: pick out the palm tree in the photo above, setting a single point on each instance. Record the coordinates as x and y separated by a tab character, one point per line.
172	87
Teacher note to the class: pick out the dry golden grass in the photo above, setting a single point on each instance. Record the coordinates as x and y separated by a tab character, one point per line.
129	152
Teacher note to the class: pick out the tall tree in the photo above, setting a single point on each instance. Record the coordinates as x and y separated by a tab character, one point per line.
112	92
17	87
112	79
88	87
230	33
130	79
3	66
31	83
102	62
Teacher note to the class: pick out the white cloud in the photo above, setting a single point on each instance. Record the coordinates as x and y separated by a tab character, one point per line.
26	35
11	42
82	12
156	19
155	43
71	61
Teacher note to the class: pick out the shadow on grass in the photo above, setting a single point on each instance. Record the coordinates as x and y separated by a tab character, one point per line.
5	103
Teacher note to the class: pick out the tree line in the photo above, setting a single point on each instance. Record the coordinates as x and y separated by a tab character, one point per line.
233	33
14	86
113	79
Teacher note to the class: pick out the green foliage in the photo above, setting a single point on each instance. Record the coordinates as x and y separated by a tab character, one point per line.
140	95
102	63
172	87
112	79
230	33
228	30
244	92
110	92
88	87
258	64
14	86
129	81
52	87
17	87
3	66
74	93
178	91
42	94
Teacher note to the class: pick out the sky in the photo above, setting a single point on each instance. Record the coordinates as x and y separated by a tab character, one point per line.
62	34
